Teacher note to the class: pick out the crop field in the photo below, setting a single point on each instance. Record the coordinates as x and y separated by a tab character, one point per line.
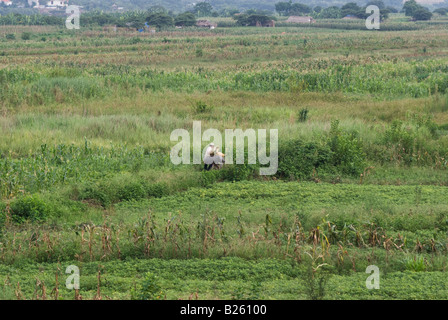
86	178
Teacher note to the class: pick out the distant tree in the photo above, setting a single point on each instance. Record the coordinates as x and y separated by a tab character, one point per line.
422	14
251	20
283	8
131	18
332	12
289	8
186	19
298	9
410	7
350	8
203	9
441	11
160	20
384	14
317	9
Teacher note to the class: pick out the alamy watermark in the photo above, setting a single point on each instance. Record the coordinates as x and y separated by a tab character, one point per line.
257	144
73	20
72	281
373	21
373	281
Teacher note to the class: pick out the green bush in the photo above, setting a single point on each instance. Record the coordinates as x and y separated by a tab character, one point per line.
342	152
26	36
32	208
148	289
316	282
239	172
297	159
401	139
99	193
398	135
157	190
209	177
303	115
347	150
131	191
415	264
200	107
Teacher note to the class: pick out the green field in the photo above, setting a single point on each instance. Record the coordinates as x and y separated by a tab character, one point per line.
86	178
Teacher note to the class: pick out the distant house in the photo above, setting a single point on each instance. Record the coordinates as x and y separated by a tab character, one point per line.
6	2
297	19
350	17
269	24
206	24
115	7
57	3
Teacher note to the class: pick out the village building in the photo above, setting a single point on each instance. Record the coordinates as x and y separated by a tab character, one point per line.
206	24
298	19
57	4
269	24
6	2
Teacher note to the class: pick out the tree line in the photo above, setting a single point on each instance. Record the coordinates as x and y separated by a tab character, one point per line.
159	17
410	8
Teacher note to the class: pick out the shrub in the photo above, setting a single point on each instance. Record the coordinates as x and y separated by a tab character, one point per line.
131	191
239	172
415	264
26	36
99	193
201	107
148	289
348	155
10	36
209	177
297	159
303	115
31	208
157	190
422	14
401	139
316	282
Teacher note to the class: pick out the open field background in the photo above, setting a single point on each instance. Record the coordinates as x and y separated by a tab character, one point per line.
86	179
